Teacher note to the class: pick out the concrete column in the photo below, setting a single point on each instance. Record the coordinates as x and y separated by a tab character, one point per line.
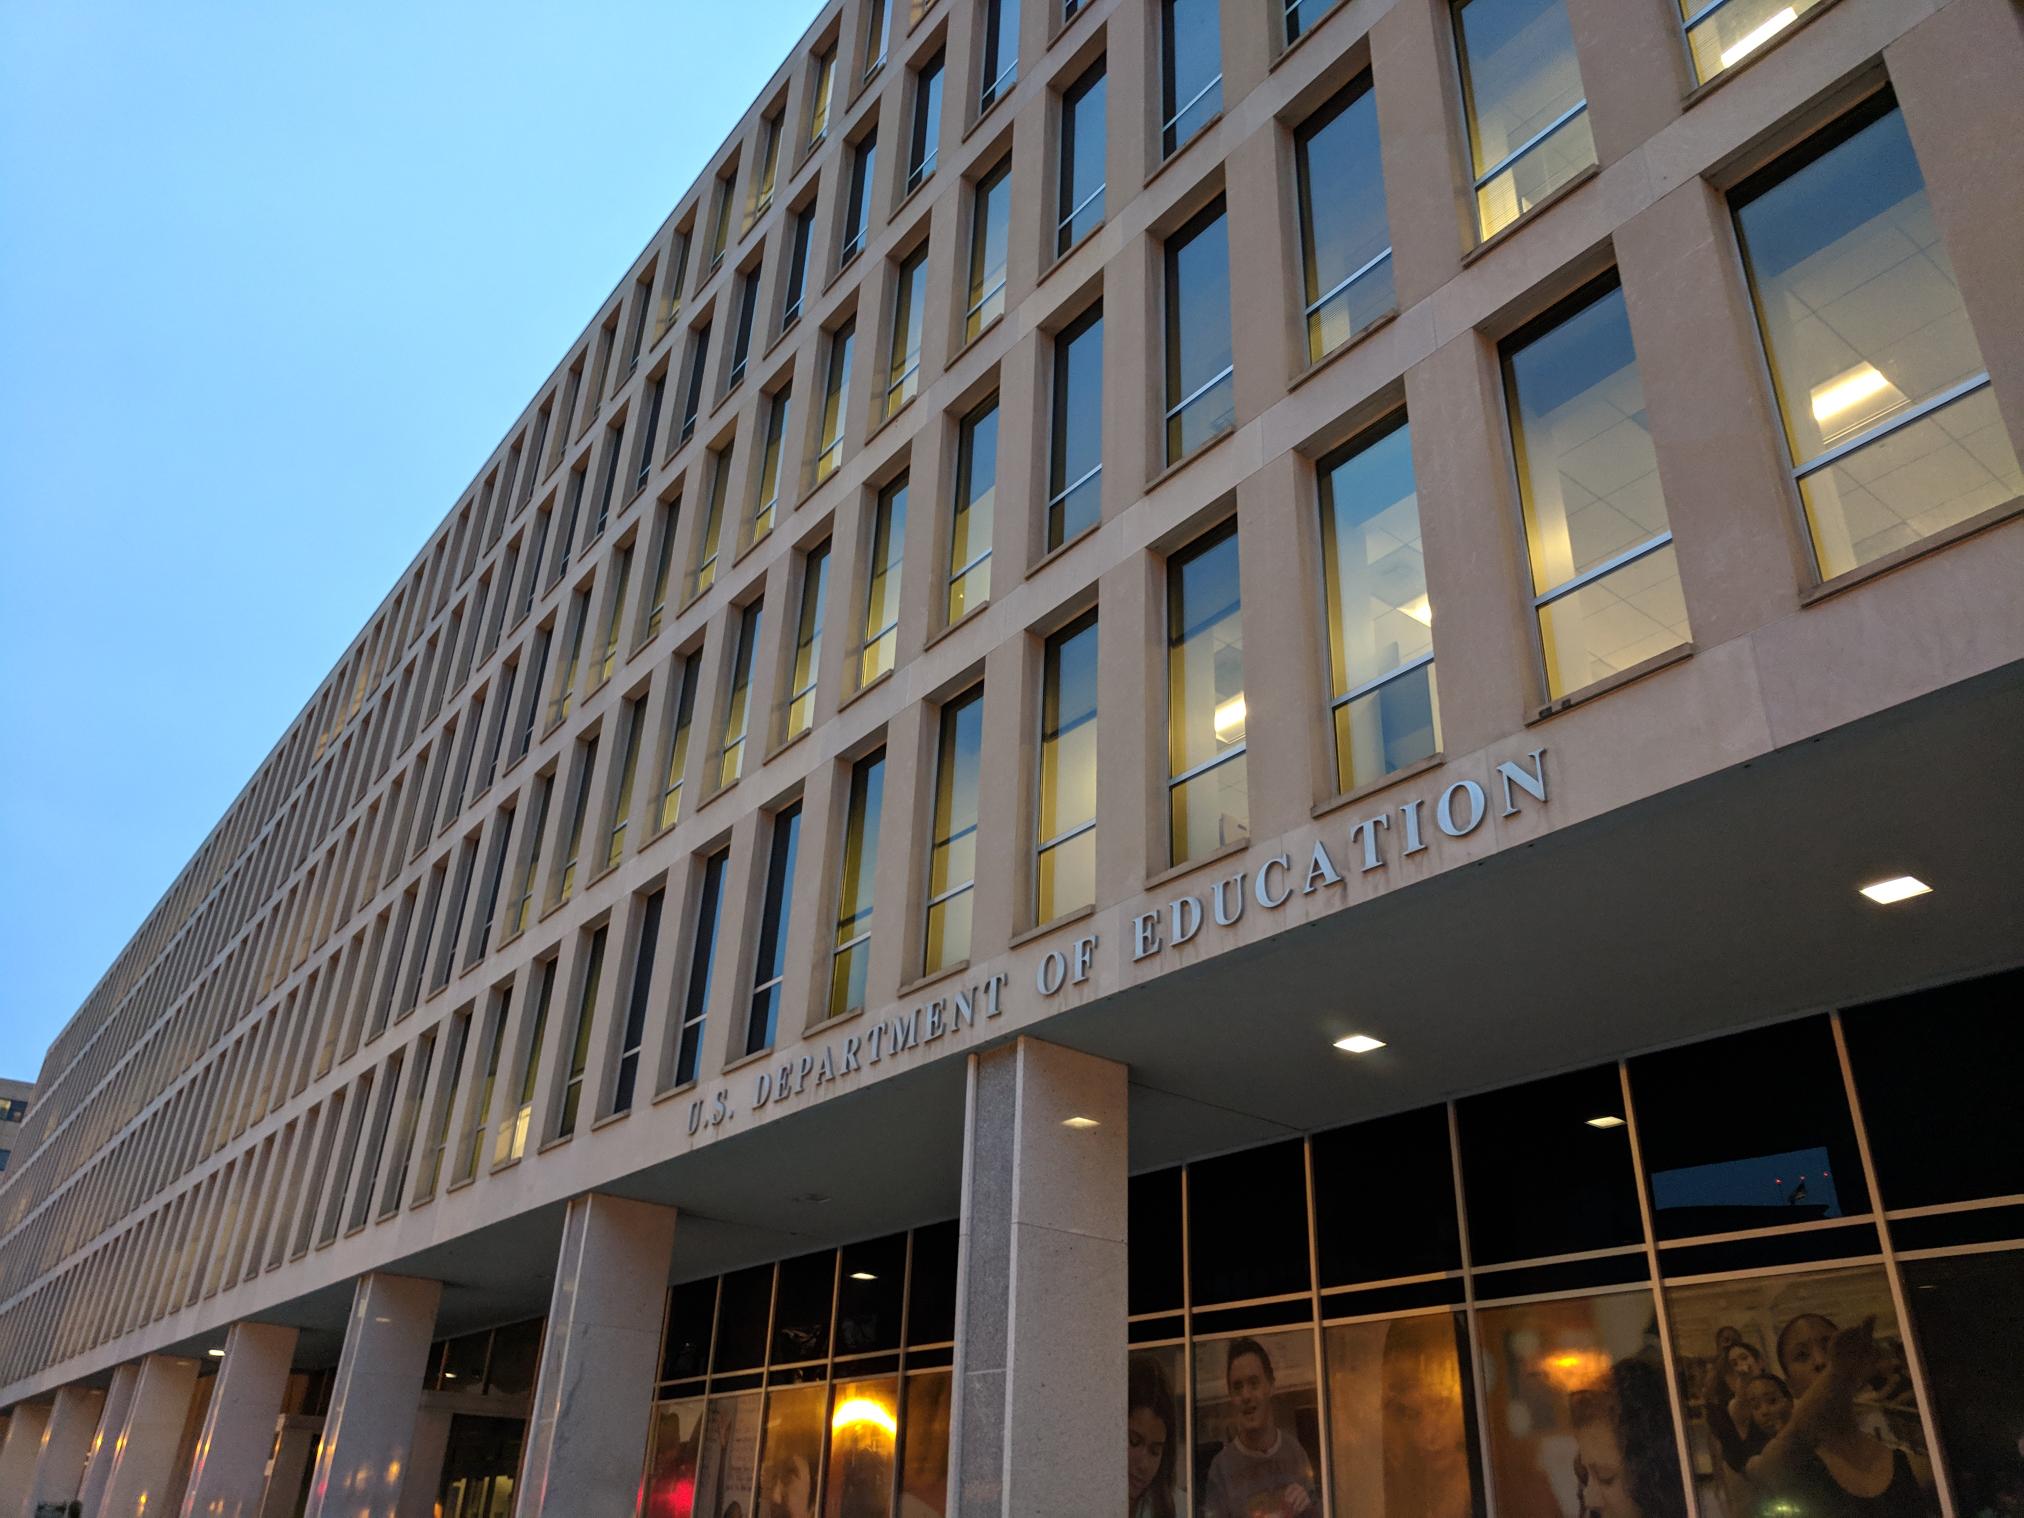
424	1477
194	1417
1633	70
1040	1313
369	1430
229	1471
18	1451
144	1455
1426	189
595	1392
112	1417
294	1448
1284	695
66	1442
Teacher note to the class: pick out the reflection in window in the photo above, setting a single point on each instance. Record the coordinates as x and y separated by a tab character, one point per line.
704	575
1893	429
1247	1226
882	586
767	492
737	707
1201	398
1001	50
970	523
1209	806
952	856
630	725
797	267
702	965
1969	1314
903	355
579	1042
1403	1441
857	214
1258	1424
990	232
1529	130
1191	70
513	1131
1605	580
807	642
863	1433
1345	240
850	960
637	999
819	96
830	449
1546	1168
681	714
692	404
1080	208
1722	33
1380	622
775	927
924	139
1075	453
1065	869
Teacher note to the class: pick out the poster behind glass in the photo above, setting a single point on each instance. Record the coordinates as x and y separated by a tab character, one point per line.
674	1450
1155	1432
728	1462
924	1445
1257	1426
864	1430
1400	1420
1968	1311
1797	1397
1580	1423
791	1461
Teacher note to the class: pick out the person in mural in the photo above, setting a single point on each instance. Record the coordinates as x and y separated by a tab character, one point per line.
1768	1401
1426	1450
787	1484
1736	1364
1627	1462
1261	1472
1823	1459
1152	1434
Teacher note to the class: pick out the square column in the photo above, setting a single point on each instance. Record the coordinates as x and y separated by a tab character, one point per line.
66	1441
119	1398
1037	1429
370	1427
143	1463
594	1396
228	1474
18	1451
295	1440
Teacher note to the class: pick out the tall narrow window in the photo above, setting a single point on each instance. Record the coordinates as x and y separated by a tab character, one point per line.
1380	622
1075	453
775	924
925	132
643	301
720	215
807	642
766	494
769	167
1209	806
579	1041
1201	395
572	513
681	713
1893	429
495	1043
1065	835
692	402
586	770
851	958
495	880
834	390
1001	50
1528	115
970	525
678	273
704	575
530	586
702	966
664	558
1605	582
1079	210
437	1141
513	1132
1191	70
819	96
910	299
737	712
544	791
565	672
990	218
656	393
543	638
878	25
741	342
628	768
614	441
637	1001
952	851
857	210
1345	240
797	267
882	584
1722	33
614	617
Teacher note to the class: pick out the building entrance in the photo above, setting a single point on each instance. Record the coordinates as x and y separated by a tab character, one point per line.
480	1467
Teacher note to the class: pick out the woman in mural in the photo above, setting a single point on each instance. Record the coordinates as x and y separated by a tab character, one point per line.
1736	1364
1152	1434
1426	1449
1627	1462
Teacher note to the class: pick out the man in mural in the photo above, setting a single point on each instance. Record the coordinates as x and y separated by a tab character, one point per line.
1262	1472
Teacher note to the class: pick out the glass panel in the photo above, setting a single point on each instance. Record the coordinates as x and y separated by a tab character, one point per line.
1082	159
742	1307
976	494
990	228
863	1437
729	1467
1397	1169
949	931
775	928
736	716
1797	1396
1737	30
882	593
516	1351
1258	1425
854	889
833	400
869	1288
1210	811
903	372
1387	729
924	1467
768	493
674	1452
792	1455
931	1285
1399	1417
801	1304
1067	876
927	122
952	861
685	1343
808	640
1074	488
1068	733
1520	76
1578	1415
1191	70
1247	1226
1154	1433
1969	1313
1343	231
1198	333
1541	171
1205	695
1001	48
1154	1220
1629	615
1716	1164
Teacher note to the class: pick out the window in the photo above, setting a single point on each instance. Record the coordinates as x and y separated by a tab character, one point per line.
1301	16
903	369
579	1043
1380	622
990	218
970	524
741	343
586	770
882	585
495	1038
1075	455
1528	117
630	725
925	134
565	673
1201	396
1605	580
544	791
614	439
850	960
704	575
678	272
834	392
1080	207
775	925
637	1001
565	541
1208	805
768	492
819	97
807	642
1345	243
702	963
1065	868
681	713
692	404
769	167
614	616
737	716
1191	70
857	211
494	881
878	25
1893	430
952	852
664	556
643	300
656	394
513	1133
1722	33
720	215
797	268
1001	50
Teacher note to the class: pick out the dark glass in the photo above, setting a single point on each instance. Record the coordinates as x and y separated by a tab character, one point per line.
1154	1213
1247	1225
1969	1313
801	1306
927	123
1538	1178
1936	1075
774	927
748	305
1191	66
742	1308
797	267
1384	1199
636	1002
871	1282
699	353
1082	159
1075	493
931	1286
1748	1131
685	1344
1198	332
463	1363
1001	48
857	218
702	962
516	1355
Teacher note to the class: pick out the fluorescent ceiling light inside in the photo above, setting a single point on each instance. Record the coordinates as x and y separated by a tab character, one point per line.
1359	1043
1080	1123
1420	609
1852	391
1607	1120
862	1275
1901	888
1230	718
1749	42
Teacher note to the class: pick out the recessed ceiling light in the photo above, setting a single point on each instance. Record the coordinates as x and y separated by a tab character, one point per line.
1607	1120
1359	1043
1901	888
1079	1123
215	1354
862	1275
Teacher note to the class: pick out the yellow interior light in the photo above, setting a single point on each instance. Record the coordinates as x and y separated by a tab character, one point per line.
1420	609
1230	718
1750	41
855	1412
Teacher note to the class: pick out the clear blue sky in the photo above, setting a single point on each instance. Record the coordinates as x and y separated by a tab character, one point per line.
274	280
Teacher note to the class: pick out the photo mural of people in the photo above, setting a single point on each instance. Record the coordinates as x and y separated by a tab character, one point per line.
1399	1418
1257	1427
1153	1434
